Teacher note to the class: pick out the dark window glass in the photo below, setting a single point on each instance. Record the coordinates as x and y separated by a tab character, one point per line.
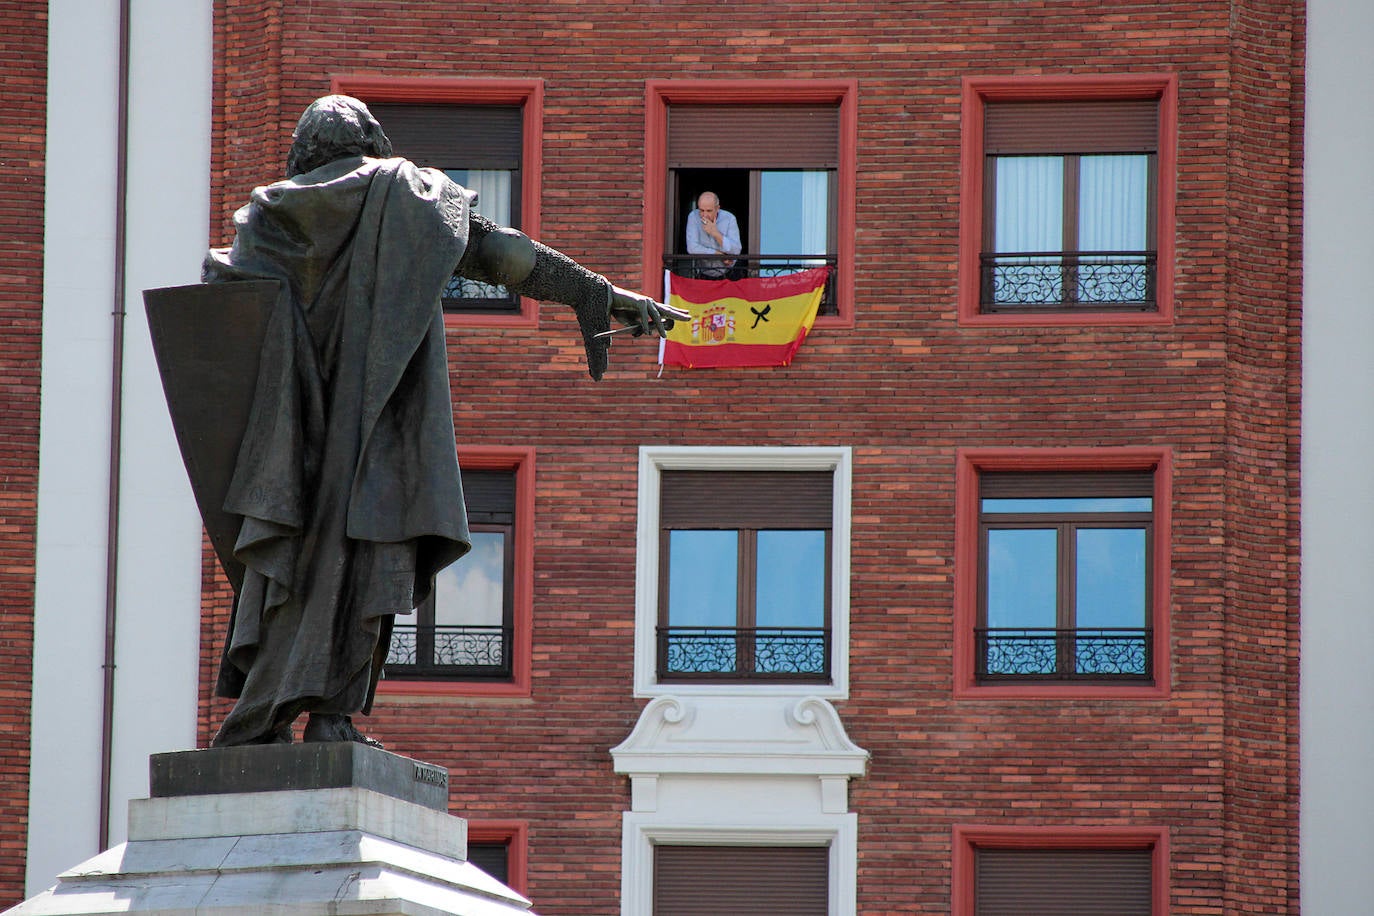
492	858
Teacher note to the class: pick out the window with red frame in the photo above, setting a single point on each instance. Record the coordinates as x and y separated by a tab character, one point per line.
1065	563
479	147
774	167
1084	882
1069	201
465	628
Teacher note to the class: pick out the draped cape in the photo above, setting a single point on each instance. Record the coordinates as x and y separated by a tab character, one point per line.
347	477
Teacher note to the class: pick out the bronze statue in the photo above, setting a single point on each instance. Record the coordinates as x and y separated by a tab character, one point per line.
346	480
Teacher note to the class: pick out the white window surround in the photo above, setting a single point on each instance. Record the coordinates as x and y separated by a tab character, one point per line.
739	771
655	459
839	833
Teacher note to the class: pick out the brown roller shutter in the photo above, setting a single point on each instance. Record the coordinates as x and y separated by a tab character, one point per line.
490	496
453	136
1029	485
754	136
492	858
1063	882
746	499
1128	126
719	880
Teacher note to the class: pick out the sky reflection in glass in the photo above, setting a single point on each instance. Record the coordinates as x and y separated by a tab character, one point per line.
703	578
1022	577
472	591
791	579
1110	583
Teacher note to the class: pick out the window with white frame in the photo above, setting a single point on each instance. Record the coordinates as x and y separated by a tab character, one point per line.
743	569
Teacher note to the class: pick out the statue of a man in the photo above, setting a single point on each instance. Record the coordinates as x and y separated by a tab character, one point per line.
347	480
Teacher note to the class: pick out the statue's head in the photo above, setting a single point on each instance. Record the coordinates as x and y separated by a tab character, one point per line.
334	127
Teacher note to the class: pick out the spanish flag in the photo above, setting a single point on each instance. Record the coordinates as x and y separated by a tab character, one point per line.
759	321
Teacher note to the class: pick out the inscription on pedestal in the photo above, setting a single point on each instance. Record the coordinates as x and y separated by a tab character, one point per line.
437	776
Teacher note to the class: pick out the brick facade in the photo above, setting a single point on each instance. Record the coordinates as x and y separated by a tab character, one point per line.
1214	760
23	59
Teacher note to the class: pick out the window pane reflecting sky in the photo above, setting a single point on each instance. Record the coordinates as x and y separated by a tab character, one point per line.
1111	577
1070	504
1022	575
703	577
472	590
791	579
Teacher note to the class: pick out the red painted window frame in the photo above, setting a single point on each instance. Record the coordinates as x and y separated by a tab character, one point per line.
969	464
660	94
521	461
515	834
968	838
977	91
528	93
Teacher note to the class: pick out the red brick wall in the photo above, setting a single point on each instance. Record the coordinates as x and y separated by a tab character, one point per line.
1216	760
23	60
1262	573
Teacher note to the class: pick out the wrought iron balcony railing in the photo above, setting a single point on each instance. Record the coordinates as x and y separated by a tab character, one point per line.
1068	280
465	295
757	265
1075	654
447	651
716	653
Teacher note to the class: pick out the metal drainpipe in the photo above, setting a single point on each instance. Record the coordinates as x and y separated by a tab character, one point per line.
116	424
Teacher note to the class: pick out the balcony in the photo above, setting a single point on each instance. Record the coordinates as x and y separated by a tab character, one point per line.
754	265
1067	655
421	652
1068	281
744	653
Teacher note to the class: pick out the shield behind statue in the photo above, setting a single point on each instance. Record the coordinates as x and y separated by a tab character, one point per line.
207	339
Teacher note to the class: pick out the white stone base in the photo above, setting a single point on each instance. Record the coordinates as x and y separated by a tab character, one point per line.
335	851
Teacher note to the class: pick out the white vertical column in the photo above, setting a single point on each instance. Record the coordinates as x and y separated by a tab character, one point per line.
158	564
1337	704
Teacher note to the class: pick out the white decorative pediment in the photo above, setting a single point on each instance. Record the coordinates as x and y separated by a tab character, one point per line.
739	735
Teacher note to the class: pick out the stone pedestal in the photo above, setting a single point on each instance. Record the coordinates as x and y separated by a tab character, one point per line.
287	829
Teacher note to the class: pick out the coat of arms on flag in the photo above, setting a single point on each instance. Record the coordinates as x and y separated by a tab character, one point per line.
758	321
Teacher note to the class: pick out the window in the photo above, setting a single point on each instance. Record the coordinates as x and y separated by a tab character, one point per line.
778	154
479	147
774	167
498	847
1068	198
1094	871
743	560
464	628
744	568
1064	575
473	637
486	135
690	880
1062	571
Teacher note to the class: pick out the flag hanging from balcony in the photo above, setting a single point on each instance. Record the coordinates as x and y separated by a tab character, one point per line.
758	321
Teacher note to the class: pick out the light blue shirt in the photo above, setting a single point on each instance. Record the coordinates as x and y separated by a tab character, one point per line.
698	242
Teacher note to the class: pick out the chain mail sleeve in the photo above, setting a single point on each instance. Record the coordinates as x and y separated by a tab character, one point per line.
554	277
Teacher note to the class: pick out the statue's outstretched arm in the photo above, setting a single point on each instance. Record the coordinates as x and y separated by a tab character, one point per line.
510	258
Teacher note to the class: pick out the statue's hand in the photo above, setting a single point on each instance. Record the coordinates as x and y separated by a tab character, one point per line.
644	315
